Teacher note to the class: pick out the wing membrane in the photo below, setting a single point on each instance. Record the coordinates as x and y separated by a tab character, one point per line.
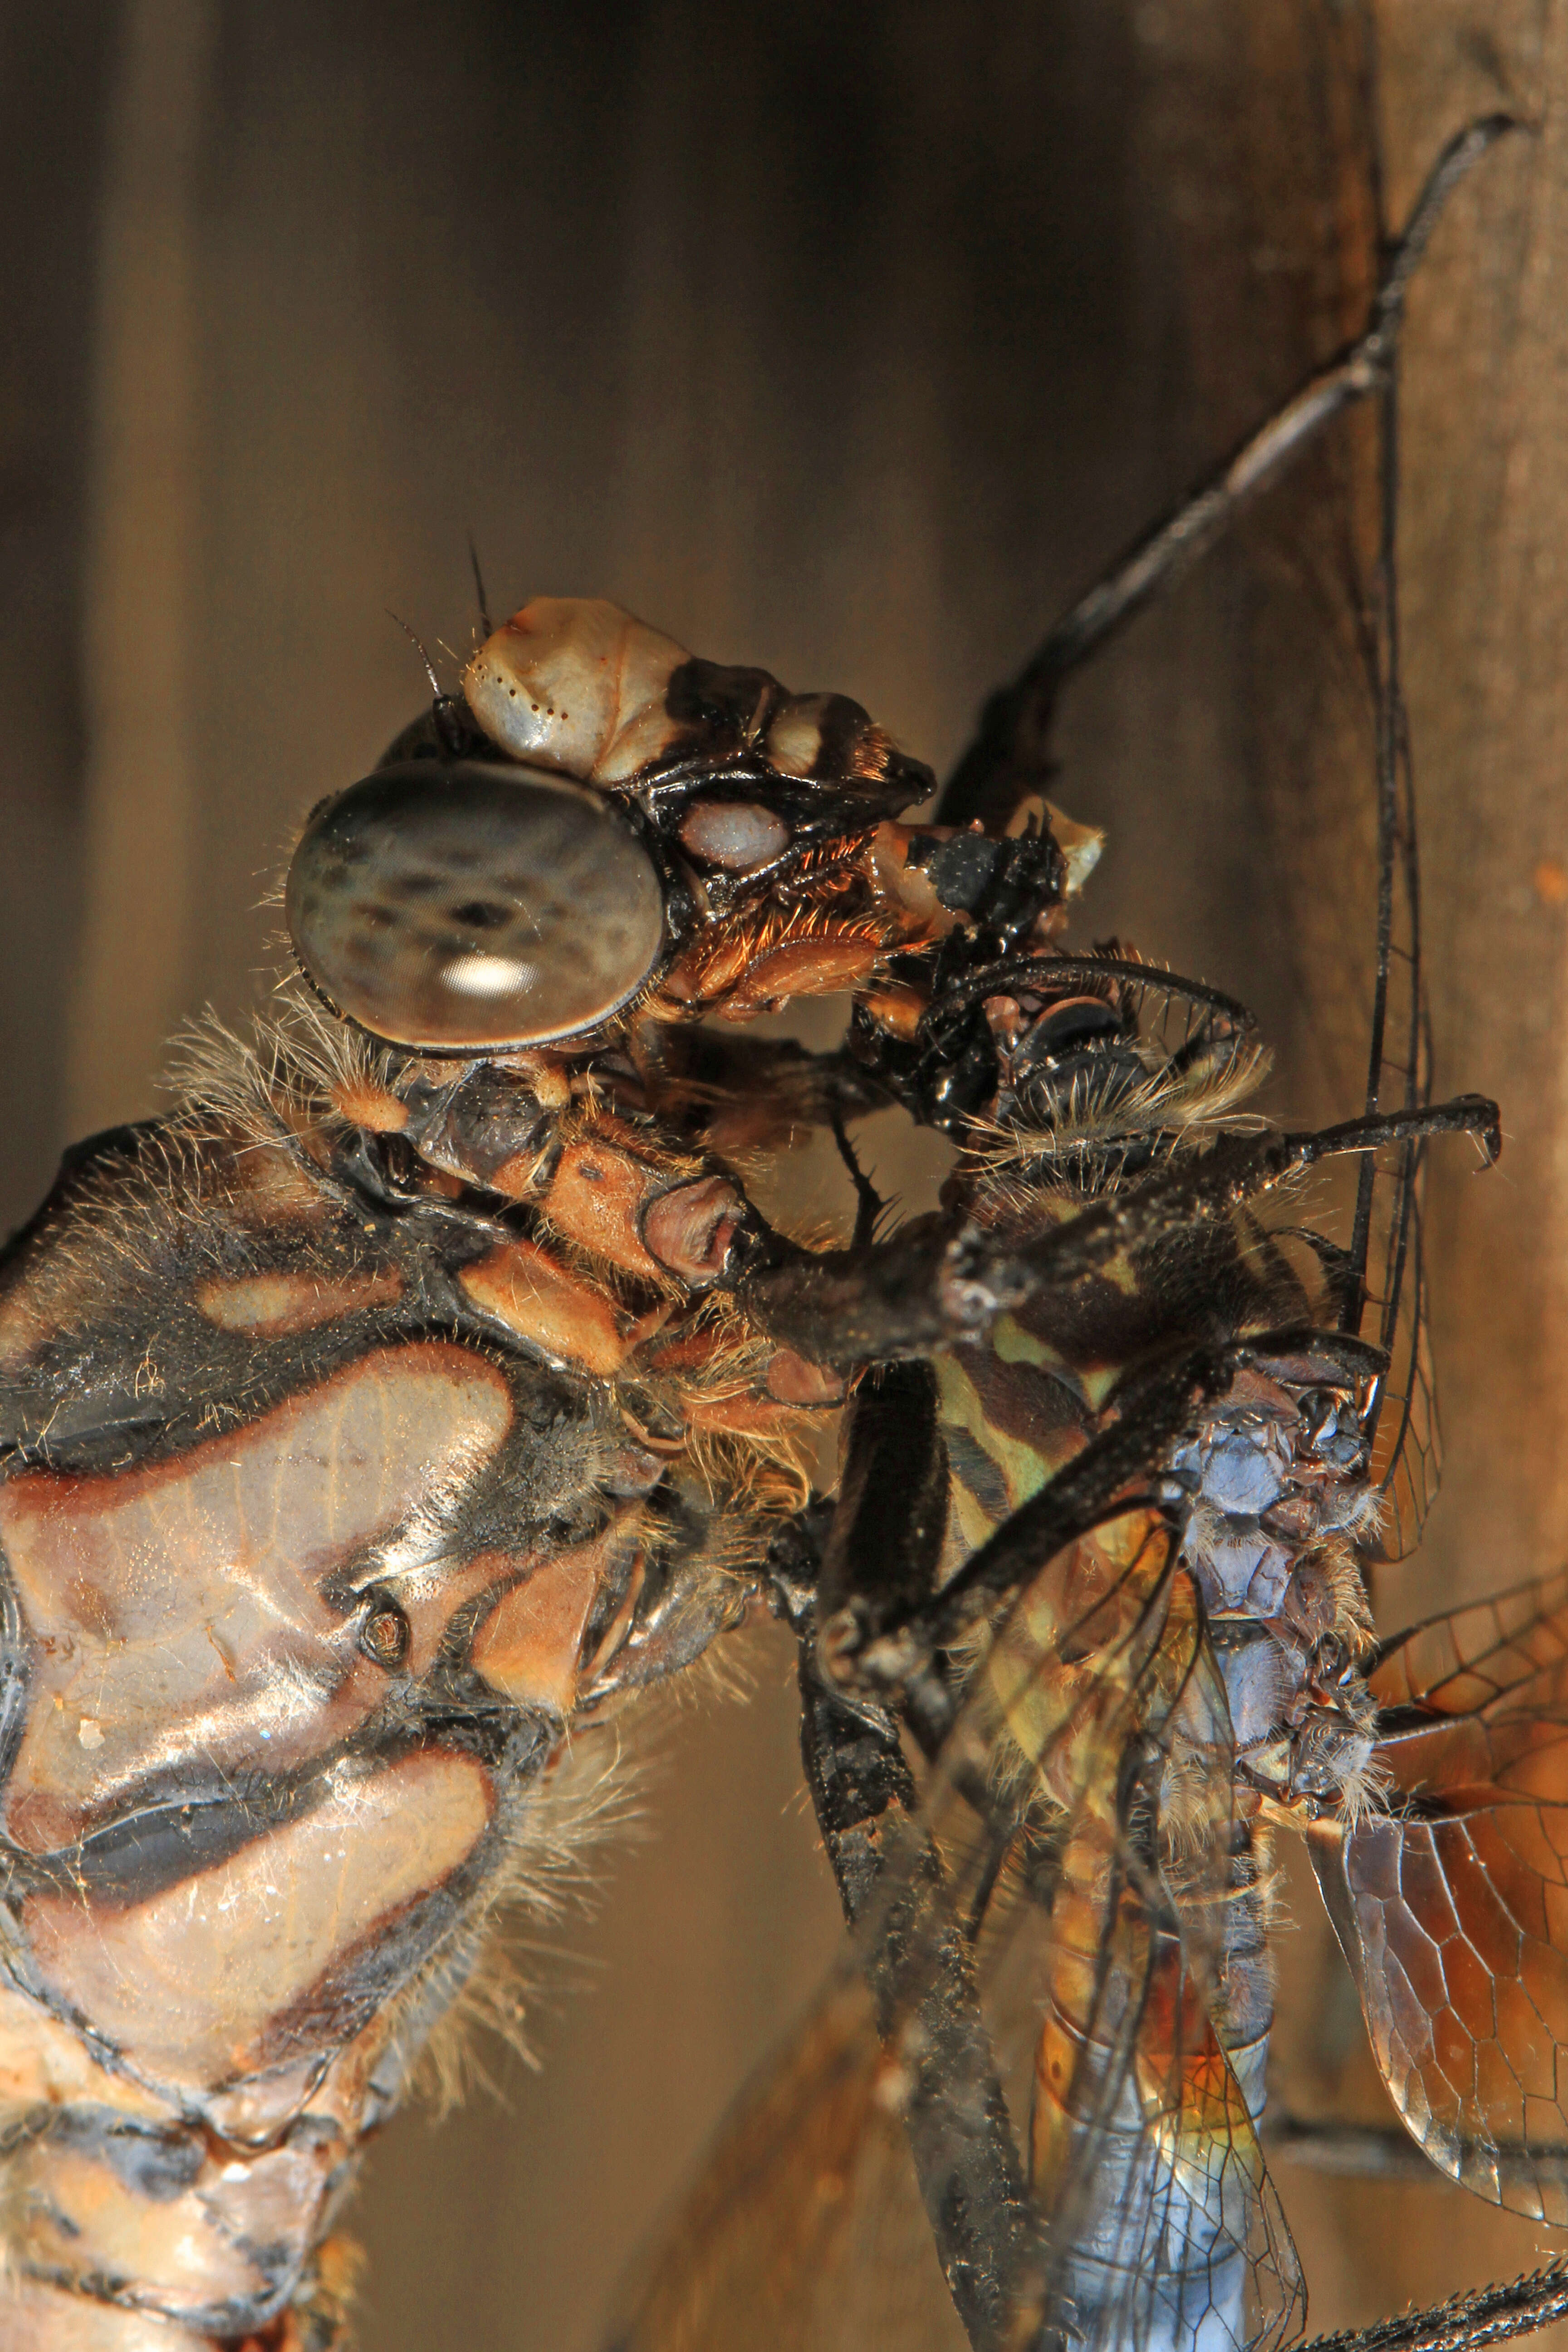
1147	2167
1161	2227
1077	1823
1510	1648
805	2228
1407	1435
1454	1909
1386	1298
1386	1302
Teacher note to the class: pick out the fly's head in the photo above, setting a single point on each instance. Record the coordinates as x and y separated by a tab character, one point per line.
603	840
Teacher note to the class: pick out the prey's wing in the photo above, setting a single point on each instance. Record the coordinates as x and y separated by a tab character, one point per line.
1067	1872
805	2228
1386	1278
1156	2225
1453	1906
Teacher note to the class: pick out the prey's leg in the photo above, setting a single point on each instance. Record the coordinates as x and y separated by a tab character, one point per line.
942	1279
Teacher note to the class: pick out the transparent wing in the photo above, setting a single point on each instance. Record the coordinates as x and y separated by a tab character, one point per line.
1386	1288
805	2228
1075	1838
1405	1433
1467	1663
1176	2236
1453	1910
1157	2223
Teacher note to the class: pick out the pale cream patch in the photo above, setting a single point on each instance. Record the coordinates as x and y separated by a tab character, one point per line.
576	684
44	2064
175	1616
83	2221
271	1304
36	2318
192	1983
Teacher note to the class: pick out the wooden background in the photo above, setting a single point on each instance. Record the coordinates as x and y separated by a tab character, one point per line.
849	341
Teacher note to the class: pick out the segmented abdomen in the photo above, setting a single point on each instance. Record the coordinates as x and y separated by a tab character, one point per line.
302	1567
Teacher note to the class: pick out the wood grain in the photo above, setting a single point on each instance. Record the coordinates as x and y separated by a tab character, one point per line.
853	343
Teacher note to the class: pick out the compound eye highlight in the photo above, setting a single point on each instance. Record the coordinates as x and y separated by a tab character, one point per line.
469	907
736	835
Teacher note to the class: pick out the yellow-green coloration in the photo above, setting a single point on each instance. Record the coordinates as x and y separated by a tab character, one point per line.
1015	1346
1002	1448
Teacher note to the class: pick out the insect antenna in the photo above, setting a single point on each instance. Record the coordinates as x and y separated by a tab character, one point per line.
417	642
446	706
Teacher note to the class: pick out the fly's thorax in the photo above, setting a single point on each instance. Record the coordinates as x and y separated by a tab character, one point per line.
1303	1716
1271	1476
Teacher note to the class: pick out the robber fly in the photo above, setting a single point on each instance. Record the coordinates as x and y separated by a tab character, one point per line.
425	1387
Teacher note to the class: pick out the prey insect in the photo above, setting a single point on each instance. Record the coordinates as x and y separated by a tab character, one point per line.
425	1387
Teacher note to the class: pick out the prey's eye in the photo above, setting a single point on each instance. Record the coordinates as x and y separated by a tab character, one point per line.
466	908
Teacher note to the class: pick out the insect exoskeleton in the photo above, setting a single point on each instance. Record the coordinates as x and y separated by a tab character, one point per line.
427	1385
383	1419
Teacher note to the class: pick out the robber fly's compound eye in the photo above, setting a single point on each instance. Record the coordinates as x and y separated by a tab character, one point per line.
463	908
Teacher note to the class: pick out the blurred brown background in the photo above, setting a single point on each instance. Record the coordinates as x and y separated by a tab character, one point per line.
850	341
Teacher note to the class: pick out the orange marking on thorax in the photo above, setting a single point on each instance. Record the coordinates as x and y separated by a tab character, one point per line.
596	1198
529	1647
432	1597
561	1312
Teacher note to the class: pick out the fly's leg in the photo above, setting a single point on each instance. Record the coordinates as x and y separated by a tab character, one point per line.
955	2112
1466	2322
887	1532
942	1279
1010	752
1356	2151
960	2132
